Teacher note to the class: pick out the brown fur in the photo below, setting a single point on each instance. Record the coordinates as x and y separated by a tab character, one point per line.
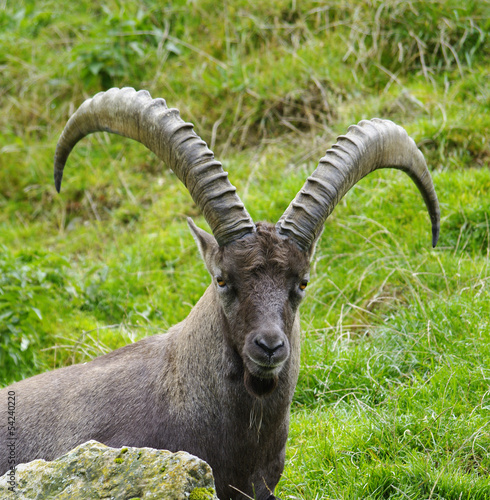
196	388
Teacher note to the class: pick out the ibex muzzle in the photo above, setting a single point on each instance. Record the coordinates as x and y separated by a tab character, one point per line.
220	383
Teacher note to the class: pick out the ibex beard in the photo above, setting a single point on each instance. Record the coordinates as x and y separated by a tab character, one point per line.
220	383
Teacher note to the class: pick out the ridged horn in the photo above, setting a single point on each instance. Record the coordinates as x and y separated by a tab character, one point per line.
368	146
137	116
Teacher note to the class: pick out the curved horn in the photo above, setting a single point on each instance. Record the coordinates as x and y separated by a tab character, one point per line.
370	145
137	116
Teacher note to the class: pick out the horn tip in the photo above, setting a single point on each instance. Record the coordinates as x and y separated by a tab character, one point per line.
435	236
58	176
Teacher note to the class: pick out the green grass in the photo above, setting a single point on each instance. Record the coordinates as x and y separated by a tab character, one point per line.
393	399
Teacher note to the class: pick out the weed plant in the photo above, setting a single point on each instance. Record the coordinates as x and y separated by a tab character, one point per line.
393	399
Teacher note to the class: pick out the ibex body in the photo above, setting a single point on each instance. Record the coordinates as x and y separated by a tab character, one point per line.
220	383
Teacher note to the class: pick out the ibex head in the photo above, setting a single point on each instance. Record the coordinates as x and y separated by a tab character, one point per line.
259	272
259	282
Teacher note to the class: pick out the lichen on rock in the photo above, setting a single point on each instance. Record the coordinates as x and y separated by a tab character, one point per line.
202	494
93	470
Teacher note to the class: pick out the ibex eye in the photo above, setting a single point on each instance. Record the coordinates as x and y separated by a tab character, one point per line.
221	282
303	285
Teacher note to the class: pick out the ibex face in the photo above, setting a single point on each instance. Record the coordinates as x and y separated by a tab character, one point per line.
260	280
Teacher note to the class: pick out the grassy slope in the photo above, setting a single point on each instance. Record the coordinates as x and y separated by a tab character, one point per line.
393	398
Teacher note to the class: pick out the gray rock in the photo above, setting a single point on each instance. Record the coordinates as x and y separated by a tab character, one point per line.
95	471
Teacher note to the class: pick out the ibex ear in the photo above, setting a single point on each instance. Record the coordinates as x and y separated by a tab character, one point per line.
207	244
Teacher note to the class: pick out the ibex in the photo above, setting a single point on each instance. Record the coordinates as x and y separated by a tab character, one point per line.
220	383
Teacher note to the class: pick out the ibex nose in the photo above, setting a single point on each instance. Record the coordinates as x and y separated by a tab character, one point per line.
269	346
